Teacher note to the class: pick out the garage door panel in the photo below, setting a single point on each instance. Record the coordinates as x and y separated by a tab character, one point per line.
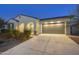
53	29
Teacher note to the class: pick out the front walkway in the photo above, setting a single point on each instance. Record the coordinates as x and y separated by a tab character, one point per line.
53	44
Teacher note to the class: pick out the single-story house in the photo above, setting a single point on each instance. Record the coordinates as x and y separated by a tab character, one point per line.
55	25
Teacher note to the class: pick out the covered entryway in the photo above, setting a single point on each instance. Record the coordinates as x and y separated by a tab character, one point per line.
53	28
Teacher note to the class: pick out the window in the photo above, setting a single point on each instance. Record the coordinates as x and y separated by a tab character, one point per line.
11	26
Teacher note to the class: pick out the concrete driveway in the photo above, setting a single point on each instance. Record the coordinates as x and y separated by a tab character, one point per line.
45	44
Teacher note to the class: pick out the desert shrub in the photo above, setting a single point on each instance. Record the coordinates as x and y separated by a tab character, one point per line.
27	33
22	37
5	34
25	36
10	33
1	42
16	34
4	30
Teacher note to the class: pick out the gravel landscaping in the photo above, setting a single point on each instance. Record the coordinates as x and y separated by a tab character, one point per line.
75	39
7	44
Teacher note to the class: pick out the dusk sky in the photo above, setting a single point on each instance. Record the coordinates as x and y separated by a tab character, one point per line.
36	10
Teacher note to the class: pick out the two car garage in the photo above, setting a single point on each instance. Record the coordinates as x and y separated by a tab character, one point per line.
56	25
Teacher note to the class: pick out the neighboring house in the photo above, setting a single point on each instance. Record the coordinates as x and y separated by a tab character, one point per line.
55	25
